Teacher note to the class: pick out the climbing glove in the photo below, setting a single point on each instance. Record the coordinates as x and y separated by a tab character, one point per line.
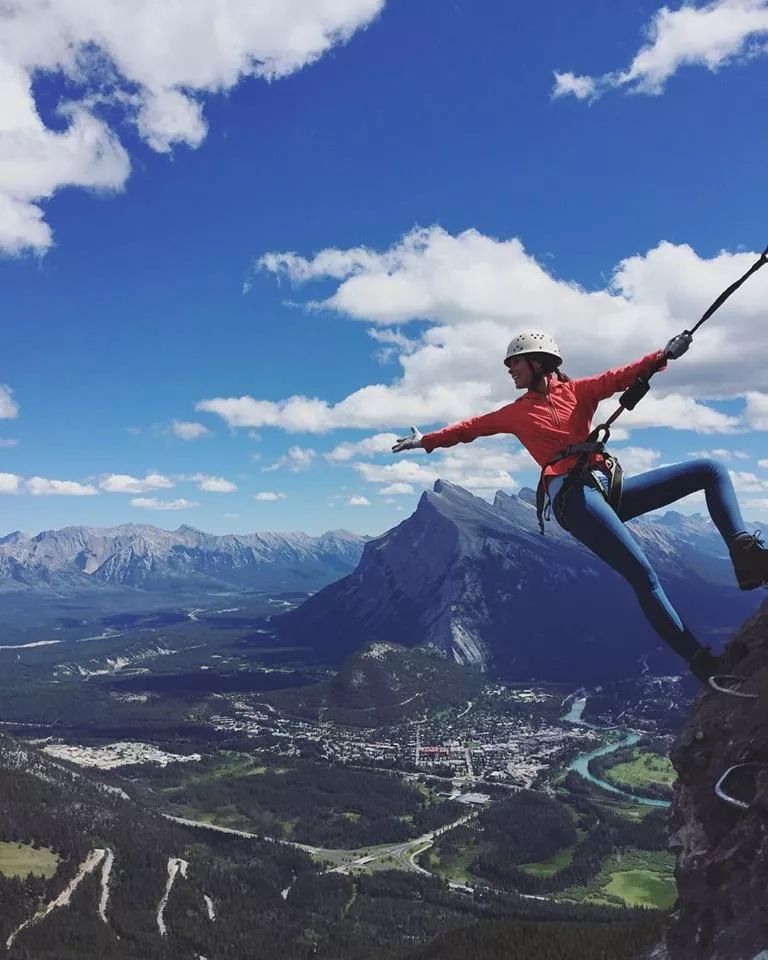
408	443
678	345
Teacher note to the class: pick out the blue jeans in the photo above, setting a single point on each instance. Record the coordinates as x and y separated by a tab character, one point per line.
591	520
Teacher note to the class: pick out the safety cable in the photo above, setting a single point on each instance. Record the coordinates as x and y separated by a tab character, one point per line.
633	394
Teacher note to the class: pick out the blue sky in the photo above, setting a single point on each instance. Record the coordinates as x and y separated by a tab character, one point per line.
359	214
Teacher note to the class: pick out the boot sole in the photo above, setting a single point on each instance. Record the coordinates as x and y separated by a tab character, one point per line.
750	586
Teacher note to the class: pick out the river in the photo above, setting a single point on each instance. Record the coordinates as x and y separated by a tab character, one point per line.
580	763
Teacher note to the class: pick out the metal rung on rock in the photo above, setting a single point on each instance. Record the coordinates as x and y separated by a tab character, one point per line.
720	790
732	682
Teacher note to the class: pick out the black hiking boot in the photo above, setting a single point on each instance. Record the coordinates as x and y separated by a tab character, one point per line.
705	664
750	560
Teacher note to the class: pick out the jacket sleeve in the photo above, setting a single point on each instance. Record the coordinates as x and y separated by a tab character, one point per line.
604	385
500	421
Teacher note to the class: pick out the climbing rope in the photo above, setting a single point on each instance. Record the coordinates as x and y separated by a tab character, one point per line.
633	394
594	443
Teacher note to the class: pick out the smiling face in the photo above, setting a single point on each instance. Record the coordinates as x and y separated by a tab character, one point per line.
521	372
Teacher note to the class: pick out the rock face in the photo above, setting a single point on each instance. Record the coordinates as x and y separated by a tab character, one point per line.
479	583
722	871
146	557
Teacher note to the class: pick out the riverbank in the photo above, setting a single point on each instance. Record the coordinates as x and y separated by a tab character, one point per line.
580	763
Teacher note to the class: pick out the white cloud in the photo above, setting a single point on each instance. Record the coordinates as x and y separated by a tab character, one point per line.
711	36
395	343
636	460
358	502
721	453
8	442
9	409
380	443
123	483
483	468
152	503
394	489
269	495
583	88
674	411
372	406
213	484
9	483
469	293
763	464
296	460
756	413
745	482
189	430
39	487
150	62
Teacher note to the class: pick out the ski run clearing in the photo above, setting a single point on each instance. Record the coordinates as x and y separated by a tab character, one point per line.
175	866
88	865
106	858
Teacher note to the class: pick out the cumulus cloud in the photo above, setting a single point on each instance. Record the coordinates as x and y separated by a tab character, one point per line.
150	63
636	460
745	482
124	483
358	502
152	503
269	495
296	460
484	467
189	430
674	411
372	406
9	409
40	487
583	88
712	36
213	484
756	413
720	453
9	483
469	293
763	464
9	442
394	489
344	452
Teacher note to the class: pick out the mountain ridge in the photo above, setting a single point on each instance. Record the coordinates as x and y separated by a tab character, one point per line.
478	582
145	556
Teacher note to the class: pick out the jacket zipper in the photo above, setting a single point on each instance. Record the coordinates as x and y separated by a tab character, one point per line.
552	408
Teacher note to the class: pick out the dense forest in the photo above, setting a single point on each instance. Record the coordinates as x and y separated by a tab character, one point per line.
270	900
302	800
531	827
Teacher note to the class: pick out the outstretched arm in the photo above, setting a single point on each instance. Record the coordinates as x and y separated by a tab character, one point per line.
604	385
500	421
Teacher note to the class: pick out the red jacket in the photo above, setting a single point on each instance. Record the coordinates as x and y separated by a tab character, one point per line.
547	423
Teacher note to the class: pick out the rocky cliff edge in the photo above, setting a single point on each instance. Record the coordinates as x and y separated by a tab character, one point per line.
722	848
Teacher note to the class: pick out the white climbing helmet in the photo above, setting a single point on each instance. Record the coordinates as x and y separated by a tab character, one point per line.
532	341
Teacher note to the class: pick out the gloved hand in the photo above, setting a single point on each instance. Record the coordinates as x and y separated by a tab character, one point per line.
678	345
408	443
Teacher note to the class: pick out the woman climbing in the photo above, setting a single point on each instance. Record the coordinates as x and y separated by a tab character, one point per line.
555	412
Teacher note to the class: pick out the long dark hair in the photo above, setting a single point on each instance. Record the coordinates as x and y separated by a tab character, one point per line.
548	365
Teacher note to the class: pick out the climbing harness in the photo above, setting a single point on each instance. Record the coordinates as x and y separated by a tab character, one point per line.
610	468
730	685
595	444
744	779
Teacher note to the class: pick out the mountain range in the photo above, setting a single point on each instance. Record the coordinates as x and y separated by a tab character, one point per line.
145	557
476	581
